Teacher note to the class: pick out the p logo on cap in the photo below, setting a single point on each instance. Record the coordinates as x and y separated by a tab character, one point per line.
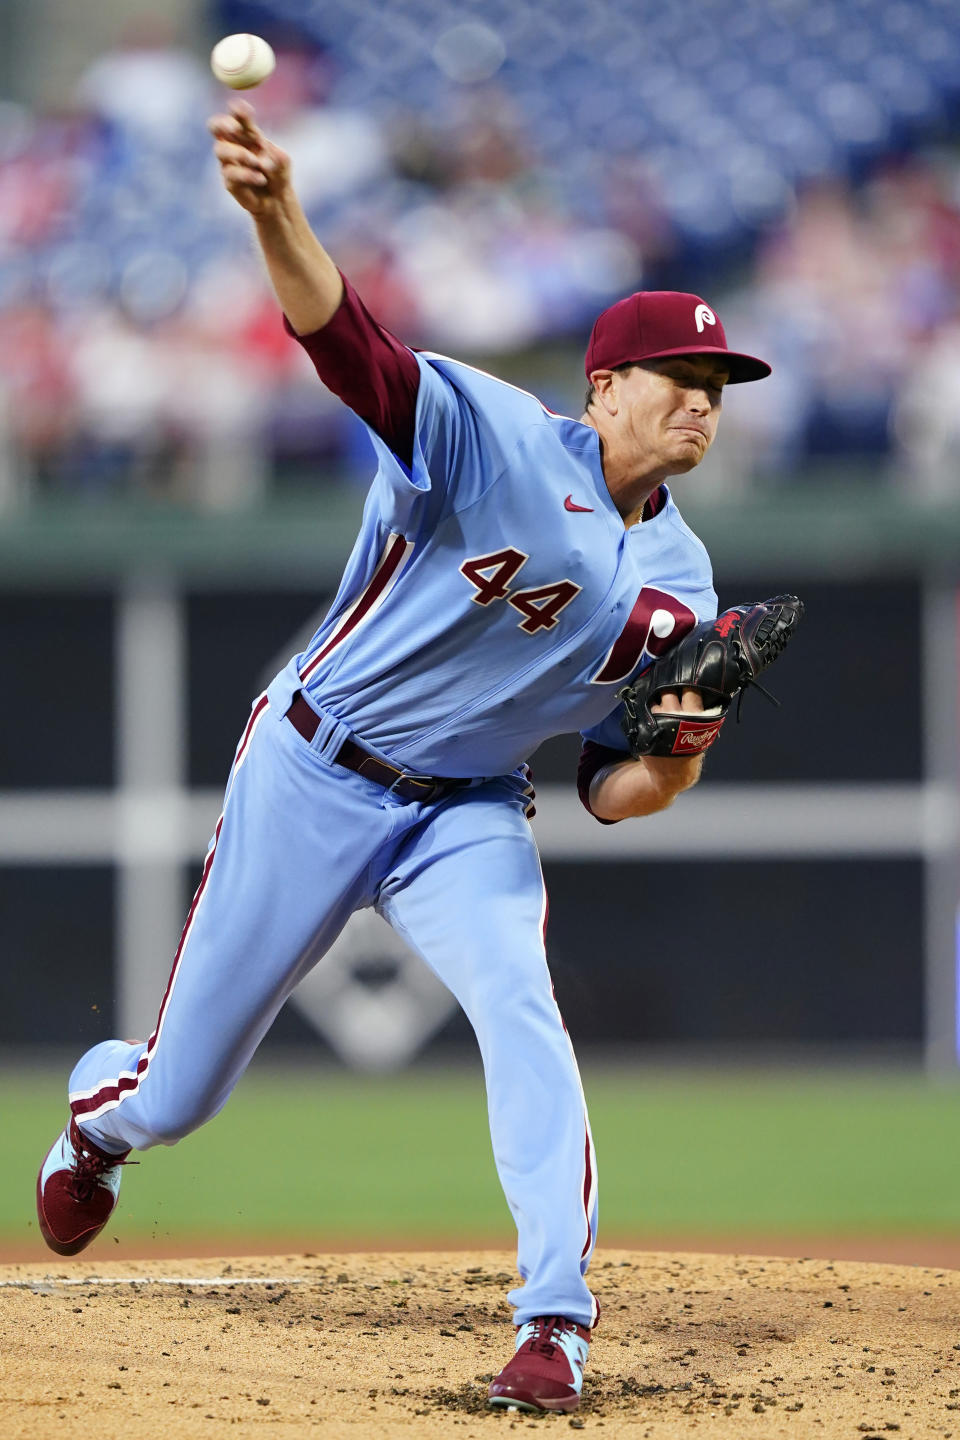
704	316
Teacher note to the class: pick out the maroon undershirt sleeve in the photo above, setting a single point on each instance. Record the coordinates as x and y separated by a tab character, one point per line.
371	370
593	757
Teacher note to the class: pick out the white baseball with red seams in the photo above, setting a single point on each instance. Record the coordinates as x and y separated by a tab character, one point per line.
242	61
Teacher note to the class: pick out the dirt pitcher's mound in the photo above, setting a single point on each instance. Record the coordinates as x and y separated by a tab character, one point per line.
403	1345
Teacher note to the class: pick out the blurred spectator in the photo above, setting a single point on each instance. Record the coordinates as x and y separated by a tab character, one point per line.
149	85
39	395
926	418
117	373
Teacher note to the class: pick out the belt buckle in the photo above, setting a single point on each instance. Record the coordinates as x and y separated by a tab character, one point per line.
430	786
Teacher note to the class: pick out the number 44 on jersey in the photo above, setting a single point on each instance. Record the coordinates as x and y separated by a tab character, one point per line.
540	606
657	620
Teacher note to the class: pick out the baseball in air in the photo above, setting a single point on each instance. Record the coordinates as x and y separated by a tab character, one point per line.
242	61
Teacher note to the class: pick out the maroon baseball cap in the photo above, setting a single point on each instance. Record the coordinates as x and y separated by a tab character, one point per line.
652	324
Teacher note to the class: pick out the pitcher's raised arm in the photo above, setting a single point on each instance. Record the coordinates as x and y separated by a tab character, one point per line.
257	173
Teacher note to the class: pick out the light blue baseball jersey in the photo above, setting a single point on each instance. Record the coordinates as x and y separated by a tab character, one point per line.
493	597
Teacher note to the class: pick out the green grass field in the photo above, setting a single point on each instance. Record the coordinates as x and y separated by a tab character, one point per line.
305	1152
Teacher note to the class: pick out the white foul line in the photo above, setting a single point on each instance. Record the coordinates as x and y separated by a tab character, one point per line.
50	1282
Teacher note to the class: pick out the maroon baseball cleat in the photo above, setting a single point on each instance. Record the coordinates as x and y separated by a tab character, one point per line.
76	1191
546	1373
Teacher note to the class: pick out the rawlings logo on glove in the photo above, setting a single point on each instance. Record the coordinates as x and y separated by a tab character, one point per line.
694	735
718	659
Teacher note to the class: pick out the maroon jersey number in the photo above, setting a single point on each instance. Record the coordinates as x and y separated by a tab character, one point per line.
491	575
543	604
656	622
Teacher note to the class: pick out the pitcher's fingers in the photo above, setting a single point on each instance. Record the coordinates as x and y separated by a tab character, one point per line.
229	153
241	175
245	114
692	700
226	127
668	702
238	125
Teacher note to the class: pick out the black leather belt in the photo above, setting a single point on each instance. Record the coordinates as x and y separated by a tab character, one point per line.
408	787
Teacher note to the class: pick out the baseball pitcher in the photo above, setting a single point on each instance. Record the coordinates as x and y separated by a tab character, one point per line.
518	574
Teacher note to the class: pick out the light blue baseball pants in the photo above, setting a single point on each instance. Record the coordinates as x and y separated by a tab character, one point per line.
301	844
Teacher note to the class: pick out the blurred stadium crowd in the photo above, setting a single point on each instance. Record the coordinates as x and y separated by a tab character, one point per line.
490	176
